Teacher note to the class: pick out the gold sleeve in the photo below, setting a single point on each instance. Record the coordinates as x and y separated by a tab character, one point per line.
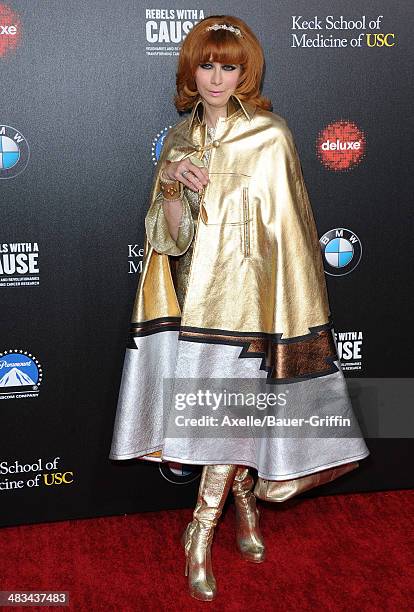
157	231
156	226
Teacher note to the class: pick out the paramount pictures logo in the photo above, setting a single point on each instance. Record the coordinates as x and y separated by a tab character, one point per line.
19	264
21	374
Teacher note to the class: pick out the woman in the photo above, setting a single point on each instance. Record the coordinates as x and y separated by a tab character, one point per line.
232	288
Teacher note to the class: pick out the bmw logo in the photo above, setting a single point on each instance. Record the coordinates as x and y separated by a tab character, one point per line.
14	152
178	473
341	251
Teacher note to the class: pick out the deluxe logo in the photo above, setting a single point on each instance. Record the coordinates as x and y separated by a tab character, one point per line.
20	374
341	251
10	30
178	473
14	152
341	145
157	144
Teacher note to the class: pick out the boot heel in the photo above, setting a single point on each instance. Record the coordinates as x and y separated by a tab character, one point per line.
184	541
248	535
184	537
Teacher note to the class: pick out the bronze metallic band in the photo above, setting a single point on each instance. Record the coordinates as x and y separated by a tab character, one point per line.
303	357
284	360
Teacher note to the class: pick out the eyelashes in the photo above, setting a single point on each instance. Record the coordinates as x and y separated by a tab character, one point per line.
227	67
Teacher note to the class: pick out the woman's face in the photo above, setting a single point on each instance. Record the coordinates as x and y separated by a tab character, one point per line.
216	82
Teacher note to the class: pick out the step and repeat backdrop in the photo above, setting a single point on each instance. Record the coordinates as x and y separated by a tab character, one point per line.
87	89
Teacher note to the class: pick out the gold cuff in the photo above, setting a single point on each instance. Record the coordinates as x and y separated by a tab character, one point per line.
171	191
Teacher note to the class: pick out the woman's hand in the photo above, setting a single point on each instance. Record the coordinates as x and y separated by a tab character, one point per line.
187	173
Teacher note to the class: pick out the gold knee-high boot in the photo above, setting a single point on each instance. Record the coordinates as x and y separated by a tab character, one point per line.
249	538
215	484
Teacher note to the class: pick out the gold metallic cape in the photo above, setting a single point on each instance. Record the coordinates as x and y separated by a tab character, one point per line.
256	299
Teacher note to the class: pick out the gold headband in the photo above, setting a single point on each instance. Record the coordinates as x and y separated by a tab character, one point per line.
223	26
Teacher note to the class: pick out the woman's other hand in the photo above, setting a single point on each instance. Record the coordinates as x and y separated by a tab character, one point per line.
192	176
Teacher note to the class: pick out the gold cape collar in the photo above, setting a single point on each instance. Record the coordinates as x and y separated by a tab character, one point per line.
234	104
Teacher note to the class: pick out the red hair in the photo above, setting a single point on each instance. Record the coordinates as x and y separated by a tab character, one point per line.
223	46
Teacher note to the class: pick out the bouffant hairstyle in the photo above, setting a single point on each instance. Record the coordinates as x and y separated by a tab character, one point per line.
223	46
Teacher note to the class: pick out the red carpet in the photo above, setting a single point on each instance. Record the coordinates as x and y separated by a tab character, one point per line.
344	552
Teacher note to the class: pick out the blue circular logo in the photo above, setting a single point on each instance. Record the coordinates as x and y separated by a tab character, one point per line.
9	152
341	251
178	473
14	152
20	372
